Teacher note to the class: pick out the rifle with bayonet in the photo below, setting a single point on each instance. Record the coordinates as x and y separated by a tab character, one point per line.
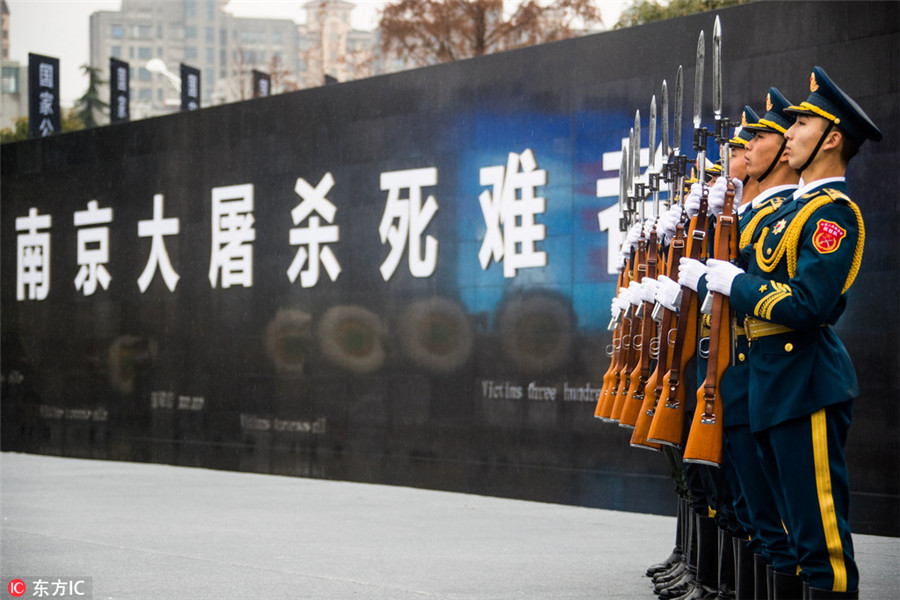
618	322
668	421
636	395
673	175
630	373
704	443
621	321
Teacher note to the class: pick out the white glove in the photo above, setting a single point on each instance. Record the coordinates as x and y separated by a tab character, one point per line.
717	195
634	234
716	200
614	308
621	301
690	271
738	191
667	292
634	293
668	222
648	290
720	275
692	204
648	227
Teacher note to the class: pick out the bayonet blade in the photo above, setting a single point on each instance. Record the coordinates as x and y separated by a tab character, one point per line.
630	181
679	111
623	181
698	81
717	69
637	146
664	122
651	135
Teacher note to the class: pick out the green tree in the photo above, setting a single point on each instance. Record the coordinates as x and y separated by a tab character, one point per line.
19	131
89	105
16	133
645	11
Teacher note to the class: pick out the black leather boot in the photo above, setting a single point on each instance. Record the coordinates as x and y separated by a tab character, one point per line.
673	588
770	582
705	585
787	586
760	585
743	570
677	554
726	566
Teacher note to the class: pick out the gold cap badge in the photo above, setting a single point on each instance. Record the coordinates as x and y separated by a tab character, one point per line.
743	120
768	102
813	85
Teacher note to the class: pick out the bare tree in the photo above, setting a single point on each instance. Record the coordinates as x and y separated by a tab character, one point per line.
424	32
282	77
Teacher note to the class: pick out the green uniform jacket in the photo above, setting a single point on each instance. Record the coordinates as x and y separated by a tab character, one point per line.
800	262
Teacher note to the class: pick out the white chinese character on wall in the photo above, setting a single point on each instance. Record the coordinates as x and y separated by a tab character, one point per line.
315	236
159	256
33	263
122	79
509	211
93	248
232	234
406	220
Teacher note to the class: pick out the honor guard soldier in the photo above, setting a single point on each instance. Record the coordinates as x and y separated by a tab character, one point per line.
767	165
737	148
802	259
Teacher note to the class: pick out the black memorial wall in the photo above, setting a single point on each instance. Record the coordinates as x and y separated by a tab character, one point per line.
403	279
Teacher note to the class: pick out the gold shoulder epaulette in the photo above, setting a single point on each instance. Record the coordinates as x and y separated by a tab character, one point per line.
837	195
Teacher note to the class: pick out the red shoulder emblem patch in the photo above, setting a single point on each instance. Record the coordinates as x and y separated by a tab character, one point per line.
828	236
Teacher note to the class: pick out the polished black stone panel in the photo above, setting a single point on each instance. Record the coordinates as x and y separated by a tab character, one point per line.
431	371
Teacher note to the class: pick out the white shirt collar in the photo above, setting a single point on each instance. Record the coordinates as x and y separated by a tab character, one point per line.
763	196
806	187
778	189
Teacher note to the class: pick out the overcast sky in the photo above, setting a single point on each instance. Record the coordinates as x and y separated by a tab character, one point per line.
60	28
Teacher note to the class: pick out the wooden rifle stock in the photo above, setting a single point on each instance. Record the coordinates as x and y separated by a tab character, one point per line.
704	444
614	355
637	393
668	421
627	376
608	394
653	391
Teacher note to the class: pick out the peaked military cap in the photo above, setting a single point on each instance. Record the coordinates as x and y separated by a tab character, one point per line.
776	119
830	102
713	170
742	135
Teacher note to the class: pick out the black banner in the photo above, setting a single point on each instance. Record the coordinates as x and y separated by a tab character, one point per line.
190	88
43	96
119	99
262	83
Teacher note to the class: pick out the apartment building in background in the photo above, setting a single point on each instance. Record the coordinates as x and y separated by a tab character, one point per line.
226	49
13	79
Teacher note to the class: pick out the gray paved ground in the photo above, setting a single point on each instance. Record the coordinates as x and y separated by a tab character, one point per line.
153	531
